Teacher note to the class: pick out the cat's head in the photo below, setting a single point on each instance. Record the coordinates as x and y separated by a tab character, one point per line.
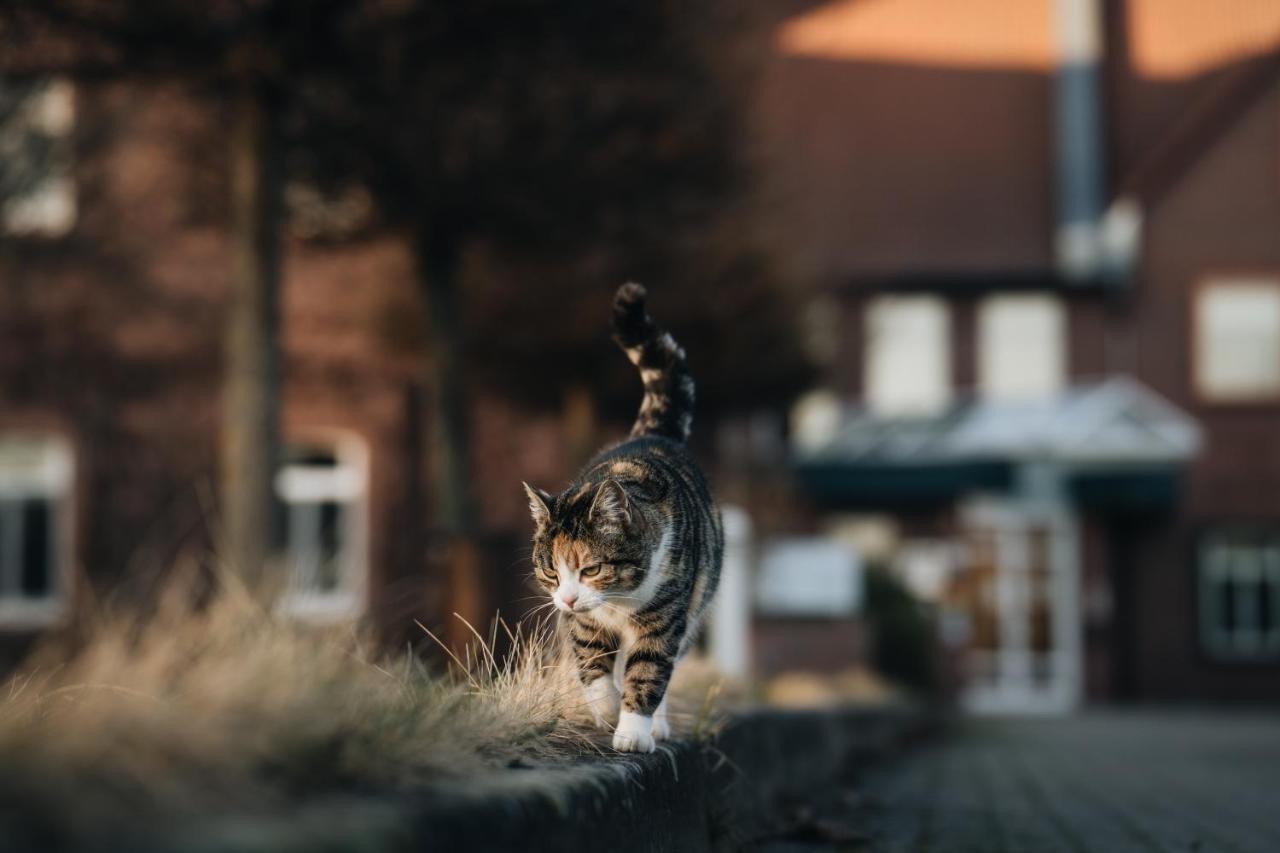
591	545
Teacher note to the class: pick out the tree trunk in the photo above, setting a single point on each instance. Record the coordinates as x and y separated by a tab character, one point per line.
455	516
251	391
579	425
438	269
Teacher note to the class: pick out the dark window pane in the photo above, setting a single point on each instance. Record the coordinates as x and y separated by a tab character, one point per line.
1226	606
10	519
320	457
1266	605
279	526
37	559
330	544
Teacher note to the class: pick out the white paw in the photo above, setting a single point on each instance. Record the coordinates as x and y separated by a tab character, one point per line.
633	742
661	726
634	733
603	700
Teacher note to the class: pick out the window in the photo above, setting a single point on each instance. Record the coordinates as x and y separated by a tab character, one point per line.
1240	596
322	488
1237	340
35	489
1021	346
810	577
908	355
37	193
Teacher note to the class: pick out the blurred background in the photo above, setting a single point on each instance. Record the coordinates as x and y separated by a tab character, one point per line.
982	300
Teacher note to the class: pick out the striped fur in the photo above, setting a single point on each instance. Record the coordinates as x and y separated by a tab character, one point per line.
631	550
667	407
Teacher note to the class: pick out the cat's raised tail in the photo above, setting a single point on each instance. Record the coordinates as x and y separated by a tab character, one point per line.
667	408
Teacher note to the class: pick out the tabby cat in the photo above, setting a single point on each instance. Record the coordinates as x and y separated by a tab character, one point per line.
631	550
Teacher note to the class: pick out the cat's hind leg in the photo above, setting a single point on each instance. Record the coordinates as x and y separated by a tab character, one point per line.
661	726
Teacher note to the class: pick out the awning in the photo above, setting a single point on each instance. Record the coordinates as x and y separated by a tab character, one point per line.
1117	444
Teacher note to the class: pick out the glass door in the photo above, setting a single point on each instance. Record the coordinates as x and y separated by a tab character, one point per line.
1016	588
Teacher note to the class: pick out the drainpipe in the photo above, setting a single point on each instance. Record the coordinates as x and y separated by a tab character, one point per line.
1092	241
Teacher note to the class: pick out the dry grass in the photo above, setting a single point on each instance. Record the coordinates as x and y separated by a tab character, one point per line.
227	707
856	685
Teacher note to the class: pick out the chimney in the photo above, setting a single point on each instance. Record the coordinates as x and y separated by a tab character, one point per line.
1092	242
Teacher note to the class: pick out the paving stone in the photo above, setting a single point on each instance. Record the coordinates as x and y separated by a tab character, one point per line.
1115	781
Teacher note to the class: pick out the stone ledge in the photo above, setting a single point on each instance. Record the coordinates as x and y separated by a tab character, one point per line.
687	797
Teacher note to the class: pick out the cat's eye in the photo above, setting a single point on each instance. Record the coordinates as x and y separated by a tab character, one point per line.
589	571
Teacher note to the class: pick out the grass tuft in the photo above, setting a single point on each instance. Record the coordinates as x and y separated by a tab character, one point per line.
227	707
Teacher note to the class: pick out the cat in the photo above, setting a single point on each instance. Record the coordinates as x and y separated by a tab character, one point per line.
630	552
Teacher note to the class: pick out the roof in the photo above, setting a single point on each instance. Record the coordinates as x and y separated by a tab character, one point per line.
853	106
1118	422
1200	126
863	96
1173	69
1178	39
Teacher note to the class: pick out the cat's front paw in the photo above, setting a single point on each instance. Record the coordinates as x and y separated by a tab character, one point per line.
634	733
633	742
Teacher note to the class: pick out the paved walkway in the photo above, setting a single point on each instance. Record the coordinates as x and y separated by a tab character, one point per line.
1115	781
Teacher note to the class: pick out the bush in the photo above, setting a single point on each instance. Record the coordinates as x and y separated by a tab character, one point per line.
904	648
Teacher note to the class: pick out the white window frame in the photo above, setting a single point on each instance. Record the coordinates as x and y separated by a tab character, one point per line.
1207	363
904	377
299	488
48	208
1244	562
1006	323
37	466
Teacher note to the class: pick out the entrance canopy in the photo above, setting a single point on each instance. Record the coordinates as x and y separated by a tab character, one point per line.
1117	444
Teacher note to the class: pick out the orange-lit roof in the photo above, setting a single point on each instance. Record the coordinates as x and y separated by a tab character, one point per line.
972	33
1181	38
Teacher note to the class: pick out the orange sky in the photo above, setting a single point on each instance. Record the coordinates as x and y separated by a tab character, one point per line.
1170	38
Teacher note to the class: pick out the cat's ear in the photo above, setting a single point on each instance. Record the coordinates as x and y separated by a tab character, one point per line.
539	503
610	506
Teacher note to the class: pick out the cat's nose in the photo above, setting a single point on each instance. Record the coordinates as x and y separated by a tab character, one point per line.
569	600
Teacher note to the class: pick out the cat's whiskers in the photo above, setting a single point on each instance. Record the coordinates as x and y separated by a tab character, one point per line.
537	610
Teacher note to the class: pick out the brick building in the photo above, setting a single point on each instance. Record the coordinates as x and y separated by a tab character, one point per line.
1046	234
1044	238
112	286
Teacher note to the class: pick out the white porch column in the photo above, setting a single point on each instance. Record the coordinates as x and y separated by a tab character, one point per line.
730	634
